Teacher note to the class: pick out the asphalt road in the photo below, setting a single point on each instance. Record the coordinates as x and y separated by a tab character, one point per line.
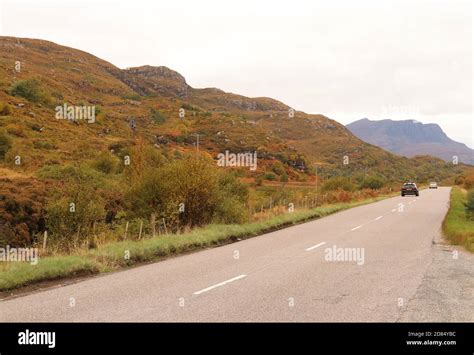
392	268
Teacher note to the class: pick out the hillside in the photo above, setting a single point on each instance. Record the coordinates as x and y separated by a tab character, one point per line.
138	158
224	120
410	138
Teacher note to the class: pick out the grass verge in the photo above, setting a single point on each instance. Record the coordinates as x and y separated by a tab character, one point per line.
457	228
116	255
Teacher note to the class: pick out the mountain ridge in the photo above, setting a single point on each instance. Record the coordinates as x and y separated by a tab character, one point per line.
153	97
411	138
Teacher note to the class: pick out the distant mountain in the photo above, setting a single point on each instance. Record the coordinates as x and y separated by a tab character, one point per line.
410	138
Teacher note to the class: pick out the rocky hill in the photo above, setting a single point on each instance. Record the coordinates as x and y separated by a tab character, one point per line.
157	105
411	138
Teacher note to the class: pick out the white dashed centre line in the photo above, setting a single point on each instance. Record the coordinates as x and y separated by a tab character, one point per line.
220	284
394	210
378	218
315	246
353	229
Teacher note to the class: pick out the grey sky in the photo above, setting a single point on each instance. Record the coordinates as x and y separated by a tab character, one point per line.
345	59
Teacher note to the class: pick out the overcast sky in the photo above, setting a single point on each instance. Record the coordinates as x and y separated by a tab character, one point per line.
344	59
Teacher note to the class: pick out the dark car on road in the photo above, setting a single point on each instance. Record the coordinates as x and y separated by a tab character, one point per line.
410	188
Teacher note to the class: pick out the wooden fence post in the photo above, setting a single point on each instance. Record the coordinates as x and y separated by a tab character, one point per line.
153	224
141	227
126	231
164	224
45	240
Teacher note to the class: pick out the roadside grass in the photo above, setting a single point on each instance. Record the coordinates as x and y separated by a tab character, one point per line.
115	255
457	228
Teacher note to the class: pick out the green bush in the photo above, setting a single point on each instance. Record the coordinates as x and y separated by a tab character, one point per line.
106	163
134	97
70	174
270	176
189	107
157	117
336	183
29	89
372	182
205	192
470	204
5	144
278	168
71	214
44	145
232	199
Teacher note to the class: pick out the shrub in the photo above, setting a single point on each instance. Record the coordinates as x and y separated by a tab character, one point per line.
343	196
5	144
459	180
29	89
470	204
469	182
302	177
336	183
106	163
189	107
44	145
157	117
5	110
72	227
372	182
134	97
68	173
22	204
77	205
15	130
270	176
233	196
206	193
278	168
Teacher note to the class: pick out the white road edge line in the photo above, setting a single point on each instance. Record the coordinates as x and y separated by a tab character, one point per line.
378	218
220	284
315	246
353	229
